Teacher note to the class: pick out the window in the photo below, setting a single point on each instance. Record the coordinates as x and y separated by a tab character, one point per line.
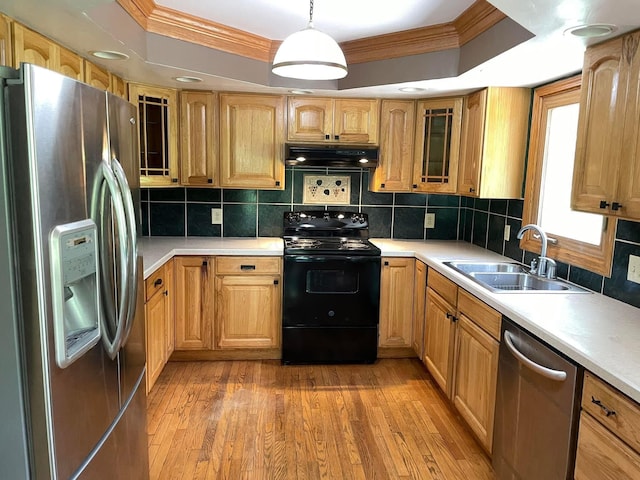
582	239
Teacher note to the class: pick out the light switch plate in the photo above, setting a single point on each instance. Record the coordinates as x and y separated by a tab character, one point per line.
429	220
216	216
633	272
326	189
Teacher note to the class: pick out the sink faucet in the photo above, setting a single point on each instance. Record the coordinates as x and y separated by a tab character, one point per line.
543	266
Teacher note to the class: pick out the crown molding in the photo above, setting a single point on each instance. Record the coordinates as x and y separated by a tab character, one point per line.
153	18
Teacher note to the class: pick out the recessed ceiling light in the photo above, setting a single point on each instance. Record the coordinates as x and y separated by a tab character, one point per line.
411	89
301	92
188	79
109	55
591	30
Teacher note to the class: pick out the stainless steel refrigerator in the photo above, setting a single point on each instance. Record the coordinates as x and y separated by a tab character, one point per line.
72	351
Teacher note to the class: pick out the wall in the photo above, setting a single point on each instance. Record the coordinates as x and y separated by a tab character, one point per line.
251	213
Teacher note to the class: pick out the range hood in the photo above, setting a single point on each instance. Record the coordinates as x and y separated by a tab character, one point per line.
335	156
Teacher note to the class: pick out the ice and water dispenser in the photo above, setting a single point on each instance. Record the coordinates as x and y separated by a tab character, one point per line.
75	289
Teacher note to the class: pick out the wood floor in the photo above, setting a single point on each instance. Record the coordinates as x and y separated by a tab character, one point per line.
261	420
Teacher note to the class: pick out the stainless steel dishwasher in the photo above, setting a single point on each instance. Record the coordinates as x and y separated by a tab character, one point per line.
536	409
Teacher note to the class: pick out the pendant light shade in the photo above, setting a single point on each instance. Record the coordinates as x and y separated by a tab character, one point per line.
310	55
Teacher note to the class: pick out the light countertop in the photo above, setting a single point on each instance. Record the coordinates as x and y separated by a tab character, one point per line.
598	332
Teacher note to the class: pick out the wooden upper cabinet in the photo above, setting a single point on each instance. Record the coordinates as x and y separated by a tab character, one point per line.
252	141
606	177
310	119
396	302
494	141
70	64
437	145
31	47
6	51
333	120
198	144
158	126
118	86
395	164
96	76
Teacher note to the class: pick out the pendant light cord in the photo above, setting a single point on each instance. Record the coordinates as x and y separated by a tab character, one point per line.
311	11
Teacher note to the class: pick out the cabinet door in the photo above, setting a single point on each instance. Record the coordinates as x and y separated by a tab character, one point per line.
158	124
6	52
438	343
156	316
396	302
419	298
197	139
194	303
251	141
70	64
395	164
310	119
437	145
629	181
248	311
603	456
117	86
31	47
356	120
598	146
476	372
96	76
472	143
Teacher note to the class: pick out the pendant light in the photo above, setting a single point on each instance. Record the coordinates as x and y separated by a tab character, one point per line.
310	55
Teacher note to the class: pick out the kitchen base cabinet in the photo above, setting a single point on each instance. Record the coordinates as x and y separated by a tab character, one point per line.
159	321
194	303
396	307
476	366
440	315
419	298
608	435
248	302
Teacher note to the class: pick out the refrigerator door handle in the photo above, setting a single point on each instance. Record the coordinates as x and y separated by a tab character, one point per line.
132	258
98	211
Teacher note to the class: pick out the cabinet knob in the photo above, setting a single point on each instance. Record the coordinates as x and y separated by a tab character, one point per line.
158	282
382	185
277	184
204	263
166	293
471	189
276	282
209	180
327	137
336	137
386	264
604	204
174	180
451	317
415	185
615	206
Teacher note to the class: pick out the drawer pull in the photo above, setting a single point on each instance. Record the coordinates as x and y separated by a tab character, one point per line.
247	267
451	316
157	283
606	411
276	282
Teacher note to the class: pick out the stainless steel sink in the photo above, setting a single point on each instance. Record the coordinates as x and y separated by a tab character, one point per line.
468	267
503	277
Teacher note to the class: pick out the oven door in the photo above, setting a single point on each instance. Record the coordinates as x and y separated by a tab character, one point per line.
331	291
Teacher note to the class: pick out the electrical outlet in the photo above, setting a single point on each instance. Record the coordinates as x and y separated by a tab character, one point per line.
507	232
216	216
429	220
633	272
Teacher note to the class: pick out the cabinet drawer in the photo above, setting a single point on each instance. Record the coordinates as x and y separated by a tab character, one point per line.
247	265
601	455
482	314
623	419
441	284
155	283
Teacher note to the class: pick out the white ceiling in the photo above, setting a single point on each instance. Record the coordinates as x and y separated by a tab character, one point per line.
101	24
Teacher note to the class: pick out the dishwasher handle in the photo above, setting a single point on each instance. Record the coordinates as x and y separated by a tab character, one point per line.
557	375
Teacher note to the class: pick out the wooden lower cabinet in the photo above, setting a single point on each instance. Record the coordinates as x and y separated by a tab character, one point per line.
419	298
439	338
608	434
159	321
248	303
194	303
396	304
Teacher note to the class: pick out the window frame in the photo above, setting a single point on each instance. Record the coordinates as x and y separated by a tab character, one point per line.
594	258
